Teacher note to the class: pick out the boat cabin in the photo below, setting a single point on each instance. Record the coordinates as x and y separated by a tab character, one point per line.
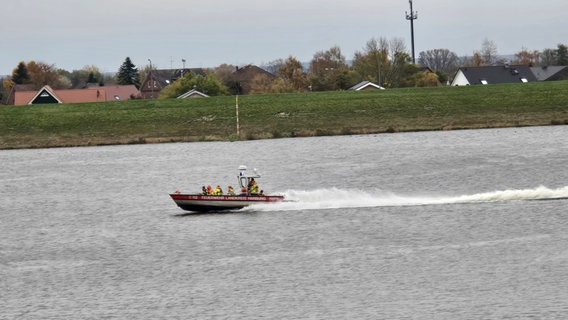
245	178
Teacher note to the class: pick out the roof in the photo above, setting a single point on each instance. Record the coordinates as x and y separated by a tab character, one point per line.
92	94
81	95
45	92
12	96
247	73
550	72
241	81
124	92
366	85
494	74
193	93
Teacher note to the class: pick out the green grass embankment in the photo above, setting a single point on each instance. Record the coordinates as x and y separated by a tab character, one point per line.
284	115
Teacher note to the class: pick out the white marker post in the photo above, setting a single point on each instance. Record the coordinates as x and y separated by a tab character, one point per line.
237	111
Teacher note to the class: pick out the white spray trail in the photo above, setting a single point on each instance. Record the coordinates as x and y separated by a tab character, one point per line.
340	198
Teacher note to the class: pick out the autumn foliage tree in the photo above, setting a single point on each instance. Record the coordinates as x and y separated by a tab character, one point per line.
38	74
526	56
292	71
44	74
329	71
384	62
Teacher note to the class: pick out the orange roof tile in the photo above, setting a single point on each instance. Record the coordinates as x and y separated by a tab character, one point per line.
92	94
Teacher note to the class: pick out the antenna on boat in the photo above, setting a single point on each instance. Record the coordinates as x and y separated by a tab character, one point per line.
242	169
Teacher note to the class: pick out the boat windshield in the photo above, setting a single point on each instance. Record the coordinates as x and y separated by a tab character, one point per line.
245	177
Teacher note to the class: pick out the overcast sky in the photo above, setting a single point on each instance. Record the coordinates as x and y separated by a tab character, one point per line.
72	34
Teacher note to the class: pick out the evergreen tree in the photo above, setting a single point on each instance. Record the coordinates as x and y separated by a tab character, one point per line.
20	75
92	78
128	74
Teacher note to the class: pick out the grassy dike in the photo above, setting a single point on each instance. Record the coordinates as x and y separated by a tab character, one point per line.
284	115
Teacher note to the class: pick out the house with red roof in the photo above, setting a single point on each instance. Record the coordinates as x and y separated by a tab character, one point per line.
22	95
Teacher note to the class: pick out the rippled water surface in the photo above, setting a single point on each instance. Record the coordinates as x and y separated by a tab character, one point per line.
437	225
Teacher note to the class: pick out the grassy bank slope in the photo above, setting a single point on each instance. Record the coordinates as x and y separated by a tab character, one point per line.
283	115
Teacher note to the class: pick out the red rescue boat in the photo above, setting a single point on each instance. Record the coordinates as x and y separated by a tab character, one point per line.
207	203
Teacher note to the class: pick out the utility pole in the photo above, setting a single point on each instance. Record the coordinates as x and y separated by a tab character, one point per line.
412	16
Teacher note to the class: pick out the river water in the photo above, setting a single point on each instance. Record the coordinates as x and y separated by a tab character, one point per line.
431	225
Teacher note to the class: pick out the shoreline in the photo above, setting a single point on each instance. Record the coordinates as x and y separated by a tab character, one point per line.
95	142
274	116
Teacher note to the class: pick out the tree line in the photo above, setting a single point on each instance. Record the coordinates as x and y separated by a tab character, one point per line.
382	61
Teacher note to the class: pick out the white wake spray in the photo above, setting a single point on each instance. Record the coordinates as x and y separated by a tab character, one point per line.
540	193
352	198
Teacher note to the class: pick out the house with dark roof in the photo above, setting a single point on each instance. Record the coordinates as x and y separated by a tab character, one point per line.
242	81
493	74
550	73
158	79
92	94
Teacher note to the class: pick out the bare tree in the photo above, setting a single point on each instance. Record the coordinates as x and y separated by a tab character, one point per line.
489	52
442	60
399	59
372	62
396	46
382	61
548	57
273	66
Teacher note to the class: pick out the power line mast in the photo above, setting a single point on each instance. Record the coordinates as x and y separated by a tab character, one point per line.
413	15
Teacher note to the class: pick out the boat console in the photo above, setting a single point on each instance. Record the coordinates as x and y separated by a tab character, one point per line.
245	177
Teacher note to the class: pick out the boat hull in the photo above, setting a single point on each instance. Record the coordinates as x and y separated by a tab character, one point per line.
207	203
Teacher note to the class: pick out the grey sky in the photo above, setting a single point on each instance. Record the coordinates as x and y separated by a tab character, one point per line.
72	34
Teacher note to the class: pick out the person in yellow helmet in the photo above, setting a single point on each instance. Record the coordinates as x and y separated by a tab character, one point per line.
253	187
